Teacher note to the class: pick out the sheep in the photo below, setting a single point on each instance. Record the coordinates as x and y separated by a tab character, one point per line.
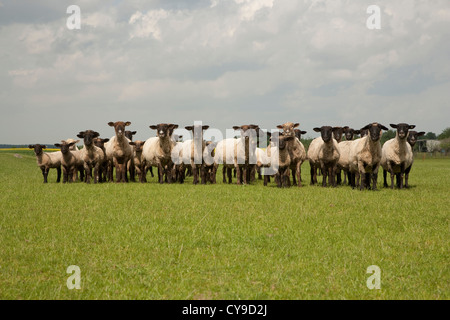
45	160
71	160
99	142
237	153
338	133
324	153
299	133
139	161
80	169
280	152
297	152
91	155
130	165
344	151
192	152
397	154
412	139
157	150
208	160
365	156
119	151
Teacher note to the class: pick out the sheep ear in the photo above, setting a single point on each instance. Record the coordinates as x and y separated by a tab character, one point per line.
44	147
173	126
383	127
58	145
96	134
111	124
346	127
317	129
421	133
236	127
31	146
280	126
70	144
132	143
189	128
205	127
127	123
153	127
394	126
105	140
303	132
133	132
80	135
412	126
296	125
366	127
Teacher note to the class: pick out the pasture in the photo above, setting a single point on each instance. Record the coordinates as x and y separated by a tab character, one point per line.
151	241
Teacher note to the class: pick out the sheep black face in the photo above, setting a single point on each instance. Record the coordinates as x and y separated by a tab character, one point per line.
298	133
88	136
349	133
413	136
119	127
37	148
363	132
326	132
338	132
374	130
164	129
64	146
129	134
402	129
138	145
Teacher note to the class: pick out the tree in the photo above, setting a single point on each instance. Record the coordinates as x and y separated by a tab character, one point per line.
388	135
445	144
429	136
445	134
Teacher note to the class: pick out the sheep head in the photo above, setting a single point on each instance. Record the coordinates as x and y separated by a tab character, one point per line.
88	136
326	132
288	128
65	146
402	129
138	145
164	129
129	134
119	127
374	131
99	142
413	137
37	148
298	133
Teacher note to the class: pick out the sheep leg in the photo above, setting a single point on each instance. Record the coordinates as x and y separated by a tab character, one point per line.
312	172
402	174
324	174
385	179
58	169
266	179
229	175
160	173
407	171
238	175
299	174
374	180
65	174
224	174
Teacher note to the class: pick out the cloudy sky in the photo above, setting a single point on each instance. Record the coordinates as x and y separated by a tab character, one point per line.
223	62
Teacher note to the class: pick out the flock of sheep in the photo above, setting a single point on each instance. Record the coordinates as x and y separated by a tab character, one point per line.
359	159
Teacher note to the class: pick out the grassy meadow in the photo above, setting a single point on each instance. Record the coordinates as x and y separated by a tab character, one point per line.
151	241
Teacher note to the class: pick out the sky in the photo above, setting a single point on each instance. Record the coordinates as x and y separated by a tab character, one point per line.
222	62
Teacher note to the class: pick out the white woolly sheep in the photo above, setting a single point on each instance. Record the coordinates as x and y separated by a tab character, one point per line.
47	160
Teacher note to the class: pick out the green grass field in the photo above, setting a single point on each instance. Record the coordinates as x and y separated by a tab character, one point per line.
151	241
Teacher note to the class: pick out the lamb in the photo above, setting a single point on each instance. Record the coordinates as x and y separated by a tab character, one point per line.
397	154
324	153
338	133
71	160
119	151
365	156
297	152
192	152
81	168
45	160
299	133
139	161
157	150
91	155
237	153
99	142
